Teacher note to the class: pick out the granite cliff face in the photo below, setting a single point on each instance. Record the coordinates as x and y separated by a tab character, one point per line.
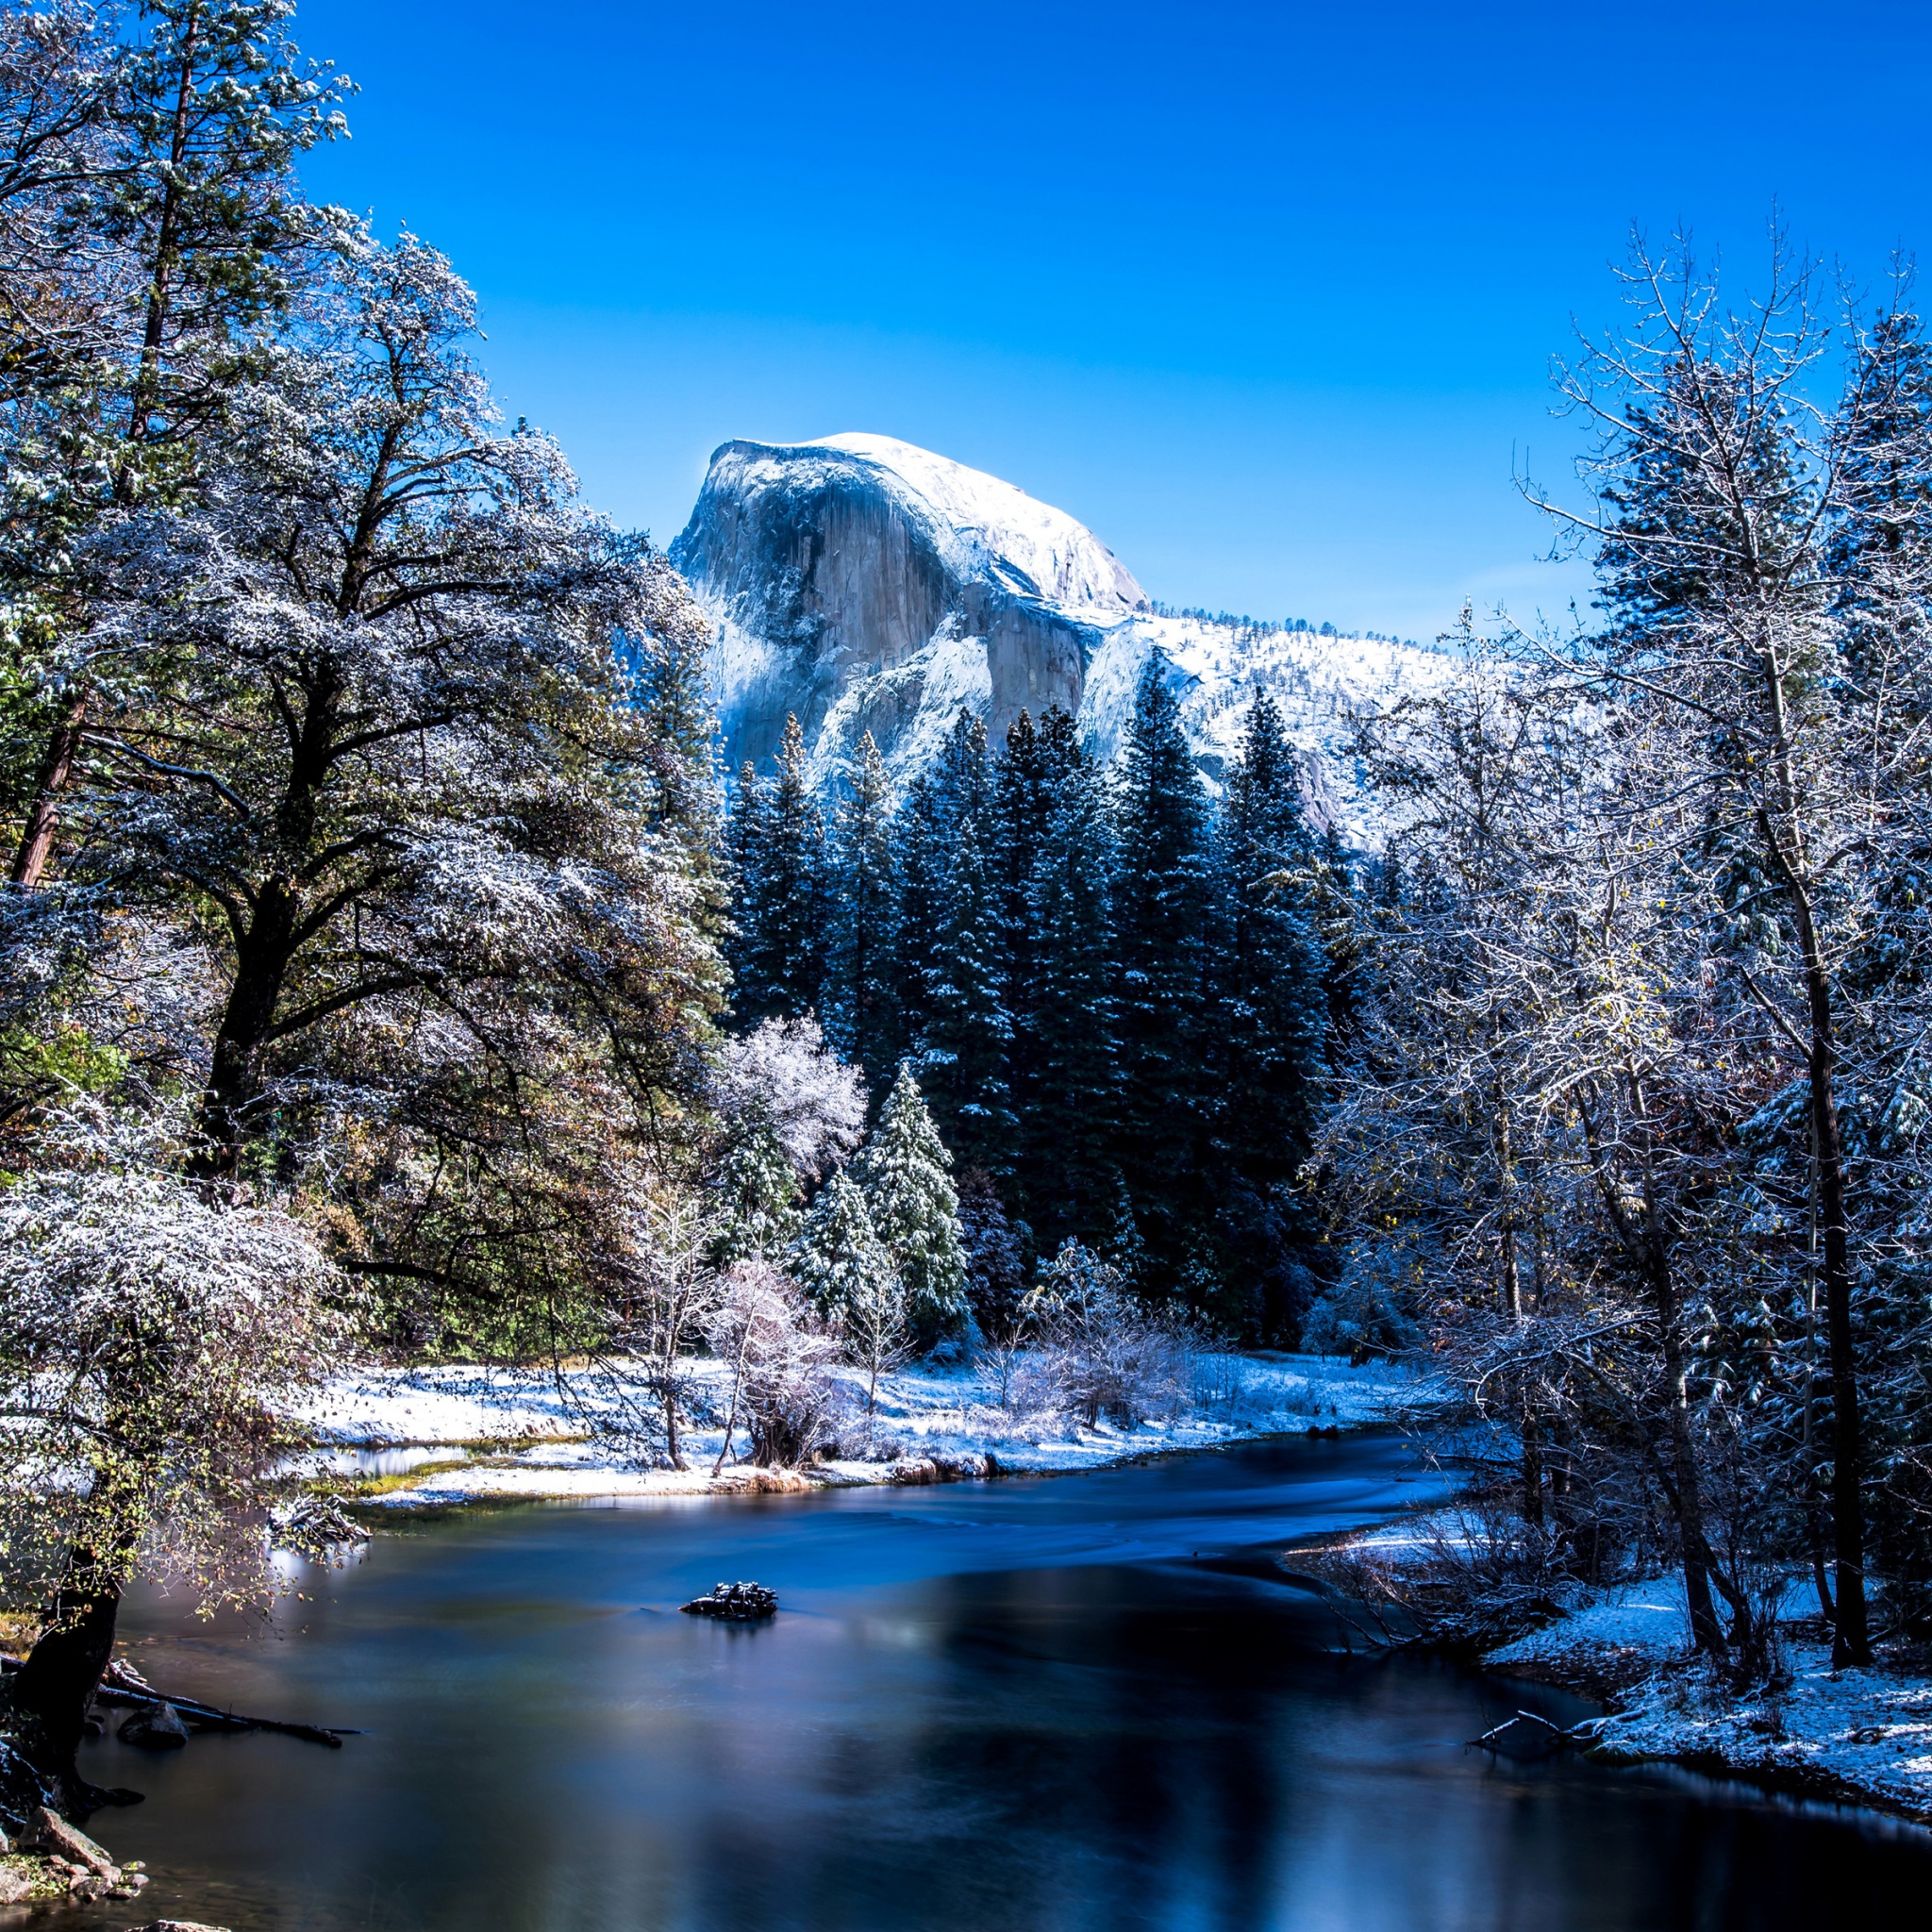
870	586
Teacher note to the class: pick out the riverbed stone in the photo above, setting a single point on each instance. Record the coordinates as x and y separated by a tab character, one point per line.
15	1884
177	1925
49	1832
154	1728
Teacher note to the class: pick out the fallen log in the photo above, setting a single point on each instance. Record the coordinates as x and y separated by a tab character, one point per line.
120	1687
1559	1735
205	1717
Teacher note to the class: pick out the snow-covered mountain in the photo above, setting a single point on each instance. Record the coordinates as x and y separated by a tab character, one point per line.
870	586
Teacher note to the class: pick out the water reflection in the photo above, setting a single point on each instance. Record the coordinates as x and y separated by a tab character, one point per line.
1007	1706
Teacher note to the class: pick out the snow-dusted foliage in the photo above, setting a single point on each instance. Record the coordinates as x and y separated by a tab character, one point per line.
847	1272
781	1357
1372	1309
154	1346
782	1074
788	1109
838	1258
360	781
1640	1032
435	825
1098	1352
902	1171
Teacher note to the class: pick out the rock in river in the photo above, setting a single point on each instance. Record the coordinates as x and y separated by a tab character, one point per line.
154	1728
736	1603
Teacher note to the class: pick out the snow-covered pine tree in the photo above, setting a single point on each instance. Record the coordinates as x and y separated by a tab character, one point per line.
1067	1178
1269	1036
745	844
995	1260
755	1196
902	1170
923	845
945	969
838	1257
1163	937
860	1012
963	775
782	851
1021	809
847	1272
963	1048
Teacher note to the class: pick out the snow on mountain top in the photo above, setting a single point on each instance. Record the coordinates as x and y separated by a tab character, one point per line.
1320	683
1055	556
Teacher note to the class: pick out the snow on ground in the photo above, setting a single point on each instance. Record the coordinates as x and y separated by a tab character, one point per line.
1859	1734
461	1433
1862	1735
1636	1620
1853	1732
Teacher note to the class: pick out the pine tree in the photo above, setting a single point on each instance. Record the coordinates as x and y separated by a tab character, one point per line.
1022	810
1270	1020
923	842
757	1198
1068	1176
861	1012
1162	911
845	1269
902	1170
946	970
779	850
996	1257
963	1047
838	1257
963	773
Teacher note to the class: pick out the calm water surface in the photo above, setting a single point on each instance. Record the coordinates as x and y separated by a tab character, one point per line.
983	1709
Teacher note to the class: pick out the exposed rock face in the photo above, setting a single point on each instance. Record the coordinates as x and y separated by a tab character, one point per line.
870	586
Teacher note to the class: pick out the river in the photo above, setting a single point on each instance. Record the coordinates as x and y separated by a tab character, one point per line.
1019	1706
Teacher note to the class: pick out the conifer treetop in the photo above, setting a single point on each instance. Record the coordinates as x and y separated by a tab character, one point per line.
838	1258
902	1170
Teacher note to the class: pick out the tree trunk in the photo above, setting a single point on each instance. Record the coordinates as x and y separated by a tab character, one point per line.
1851	1641
1532	1467
737	1384
235	1072
669	1387
51	1692
1706	1632
43	814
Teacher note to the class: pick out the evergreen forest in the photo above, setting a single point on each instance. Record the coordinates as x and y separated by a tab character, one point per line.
1114	991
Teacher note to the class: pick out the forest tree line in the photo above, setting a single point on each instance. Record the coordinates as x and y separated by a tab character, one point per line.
1114	993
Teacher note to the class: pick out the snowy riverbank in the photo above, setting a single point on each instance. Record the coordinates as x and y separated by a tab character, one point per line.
1854	1736
431	1437
1863	1736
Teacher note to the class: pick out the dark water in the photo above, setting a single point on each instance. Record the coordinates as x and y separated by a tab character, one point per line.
983	1709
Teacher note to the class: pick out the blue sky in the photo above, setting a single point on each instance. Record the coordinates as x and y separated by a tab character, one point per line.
1264	294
